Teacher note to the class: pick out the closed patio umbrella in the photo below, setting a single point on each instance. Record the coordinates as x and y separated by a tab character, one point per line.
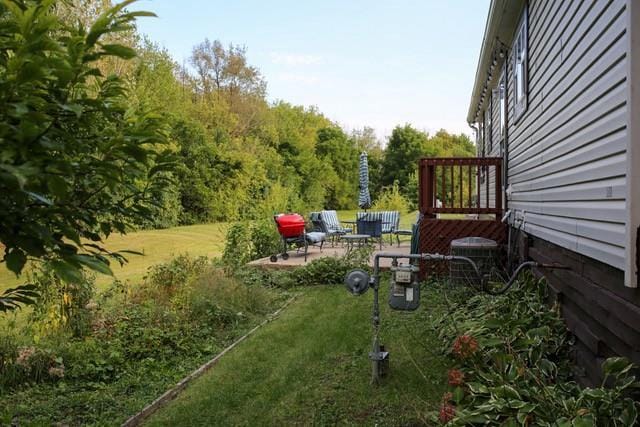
364	197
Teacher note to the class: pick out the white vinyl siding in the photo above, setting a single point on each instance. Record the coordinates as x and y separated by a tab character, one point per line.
567	152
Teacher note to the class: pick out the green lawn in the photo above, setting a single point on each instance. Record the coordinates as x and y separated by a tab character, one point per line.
157	245
161	245
310	366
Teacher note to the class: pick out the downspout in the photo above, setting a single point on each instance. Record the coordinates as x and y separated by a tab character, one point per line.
505	155
476	132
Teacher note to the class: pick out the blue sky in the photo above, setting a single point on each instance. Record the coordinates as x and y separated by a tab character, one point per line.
361	62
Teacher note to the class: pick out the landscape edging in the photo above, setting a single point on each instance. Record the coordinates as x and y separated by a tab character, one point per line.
169	395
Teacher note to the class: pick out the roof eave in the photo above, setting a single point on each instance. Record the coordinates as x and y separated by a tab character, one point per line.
502	19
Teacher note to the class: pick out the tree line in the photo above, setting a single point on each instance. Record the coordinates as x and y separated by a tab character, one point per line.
102	131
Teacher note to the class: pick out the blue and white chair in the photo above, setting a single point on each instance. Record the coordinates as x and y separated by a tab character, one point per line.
390	221
332	226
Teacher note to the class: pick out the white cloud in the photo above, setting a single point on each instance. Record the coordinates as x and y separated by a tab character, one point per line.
292	59
299	78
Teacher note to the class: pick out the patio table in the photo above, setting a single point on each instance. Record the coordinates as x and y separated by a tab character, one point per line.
355	239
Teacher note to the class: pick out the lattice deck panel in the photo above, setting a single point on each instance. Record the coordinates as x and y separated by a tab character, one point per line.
436	236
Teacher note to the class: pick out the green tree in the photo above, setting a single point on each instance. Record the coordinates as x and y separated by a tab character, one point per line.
406	146
340	154
76	164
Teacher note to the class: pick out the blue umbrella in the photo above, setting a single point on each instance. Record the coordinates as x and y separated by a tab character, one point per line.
364	197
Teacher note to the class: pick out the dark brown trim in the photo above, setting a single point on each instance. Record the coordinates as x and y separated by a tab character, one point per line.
602	314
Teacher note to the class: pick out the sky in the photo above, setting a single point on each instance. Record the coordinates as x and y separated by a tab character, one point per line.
360	62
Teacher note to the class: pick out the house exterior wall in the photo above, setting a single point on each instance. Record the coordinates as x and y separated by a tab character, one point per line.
573	162
566	153
632	233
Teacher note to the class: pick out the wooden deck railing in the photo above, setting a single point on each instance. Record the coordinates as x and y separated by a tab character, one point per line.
462	185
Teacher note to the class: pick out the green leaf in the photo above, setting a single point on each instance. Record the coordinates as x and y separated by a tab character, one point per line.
12	298
58	186
94	263
118	50
547	367
15	259
477	388
491	342
583	421
508	392
616	366
77	109
66	272
17	173
539	332
597	393
141	13
629	415
458	395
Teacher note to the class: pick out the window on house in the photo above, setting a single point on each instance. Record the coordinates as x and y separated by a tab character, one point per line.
490	125
520	68
502	104
481	137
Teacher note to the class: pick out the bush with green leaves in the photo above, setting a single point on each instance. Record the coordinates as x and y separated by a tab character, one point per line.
249	240
322	271
139	346
77	161
62	305
391	199
514	367
177	271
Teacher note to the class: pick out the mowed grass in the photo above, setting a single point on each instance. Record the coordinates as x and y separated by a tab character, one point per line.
310	367
161	245
156	245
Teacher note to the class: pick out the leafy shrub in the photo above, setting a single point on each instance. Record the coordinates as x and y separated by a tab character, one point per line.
265	239
390	199
66	305
513	366
176	272
321	271
60	194
27	364
237	248
185	311
227	297
249	240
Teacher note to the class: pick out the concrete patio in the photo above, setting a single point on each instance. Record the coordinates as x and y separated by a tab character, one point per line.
296	259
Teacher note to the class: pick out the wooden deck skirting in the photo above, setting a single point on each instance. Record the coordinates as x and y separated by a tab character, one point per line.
456	183
172	393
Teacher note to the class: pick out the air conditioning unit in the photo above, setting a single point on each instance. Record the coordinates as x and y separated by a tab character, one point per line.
483	252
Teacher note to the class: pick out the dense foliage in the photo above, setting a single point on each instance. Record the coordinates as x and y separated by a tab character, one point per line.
138	341
514	367
101	131
77	161
407	145
67	136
